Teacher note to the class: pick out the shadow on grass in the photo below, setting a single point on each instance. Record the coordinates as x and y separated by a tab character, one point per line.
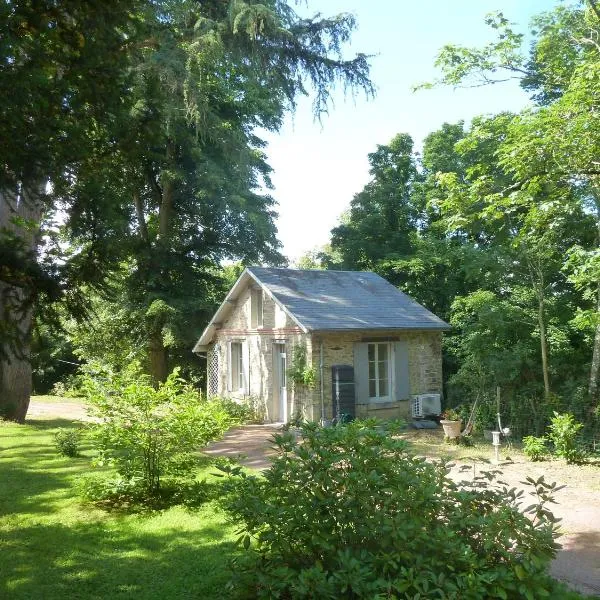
114	560
52	547
54	423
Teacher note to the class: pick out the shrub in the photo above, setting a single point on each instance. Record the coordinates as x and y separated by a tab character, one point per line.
67	442
351	513
239	412
535	448
563	431
149	434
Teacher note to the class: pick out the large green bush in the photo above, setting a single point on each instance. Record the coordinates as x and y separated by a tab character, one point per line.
350	512
563	432
151	433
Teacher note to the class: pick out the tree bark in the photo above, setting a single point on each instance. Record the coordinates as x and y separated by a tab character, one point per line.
16	303
168	193
543	344
15	365
536	276
595	366
159	359
141	217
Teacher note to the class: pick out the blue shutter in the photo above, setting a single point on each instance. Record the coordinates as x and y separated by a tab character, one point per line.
401	376
361	373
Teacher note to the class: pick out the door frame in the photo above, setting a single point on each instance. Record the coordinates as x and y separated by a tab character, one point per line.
281	400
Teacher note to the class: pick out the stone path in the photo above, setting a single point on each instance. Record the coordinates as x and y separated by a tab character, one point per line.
249	444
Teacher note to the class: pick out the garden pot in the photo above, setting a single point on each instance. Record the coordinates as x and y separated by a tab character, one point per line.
451	428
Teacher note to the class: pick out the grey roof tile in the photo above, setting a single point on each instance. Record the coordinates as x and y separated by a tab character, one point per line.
343	300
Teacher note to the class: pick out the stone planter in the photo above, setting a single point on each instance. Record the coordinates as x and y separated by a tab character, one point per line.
451	428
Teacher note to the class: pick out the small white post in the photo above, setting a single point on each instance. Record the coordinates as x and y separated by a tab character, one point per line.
496	444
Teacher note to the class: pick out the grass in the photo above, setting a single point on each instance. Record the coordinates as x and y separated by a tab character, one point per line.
53	547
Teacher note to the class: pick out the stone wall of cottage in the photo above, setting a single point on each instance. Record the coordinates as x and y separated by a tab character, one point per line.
424	365
277	327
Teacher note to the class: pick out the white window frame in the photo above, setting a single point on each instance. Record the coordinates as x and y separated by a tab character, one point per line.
256	309
237	367
390	372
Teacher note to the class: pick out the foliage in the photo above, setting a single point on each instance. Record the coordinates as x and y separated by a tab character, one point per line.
562	432
151	434
67	442
451	414
300	372
240	412
535	447
352	513
256	407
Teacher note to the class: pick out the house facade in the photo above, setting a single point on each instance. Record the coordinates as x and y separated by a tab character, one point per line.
363	347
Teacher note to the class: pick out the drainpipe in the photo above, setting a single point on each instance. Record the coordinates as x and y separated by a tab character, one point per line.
321	369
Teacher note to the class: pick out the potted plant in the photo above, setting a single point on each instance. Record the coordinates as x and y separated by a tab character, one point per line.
451	422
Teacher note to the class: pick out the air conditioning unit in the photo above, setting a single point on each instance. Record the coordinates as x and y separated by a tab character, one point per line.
426	404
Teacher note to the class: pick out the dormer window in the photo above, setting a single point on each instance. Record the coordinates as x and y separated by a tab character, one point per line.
256	309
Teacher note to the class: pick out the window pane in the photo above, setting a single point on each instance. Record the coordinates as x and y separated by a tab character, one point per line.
382	371
372	389
383	351
371	370
383	387
371	350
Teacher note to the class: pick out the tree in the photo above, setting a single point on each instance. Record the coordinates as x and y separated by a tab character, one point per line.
381	219
193	165
163	176
61	81
556	144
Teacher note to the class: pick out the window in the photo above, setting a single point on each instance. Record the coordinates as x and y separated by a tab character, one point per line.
256	309
237	367
379	370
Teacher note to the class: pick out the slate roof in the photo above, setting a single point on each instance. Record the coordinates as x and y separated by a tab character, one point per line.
344	300
331	301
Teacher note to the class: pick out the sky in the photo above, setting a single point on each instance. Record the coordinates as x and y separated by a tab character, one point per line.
318	167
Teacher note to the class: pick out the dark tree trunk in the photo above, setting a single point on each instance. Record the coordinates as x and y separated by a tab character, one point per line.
159	364
20	215
15	366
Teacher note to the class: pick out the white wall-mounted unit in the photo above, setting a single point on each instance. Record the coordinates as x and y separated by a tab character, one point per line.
424	405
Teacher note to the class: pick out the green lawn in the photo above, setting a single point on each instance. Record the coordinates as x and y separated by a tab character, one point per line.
52	546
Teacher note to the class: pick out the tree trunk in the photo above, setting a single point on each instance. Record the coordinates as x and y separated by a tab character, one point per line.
16	303
168	192
15	366
543	344
159	364
595	367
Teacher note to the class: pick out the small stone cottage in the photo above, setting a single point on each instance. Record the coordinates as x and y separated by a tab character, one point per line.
361	347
